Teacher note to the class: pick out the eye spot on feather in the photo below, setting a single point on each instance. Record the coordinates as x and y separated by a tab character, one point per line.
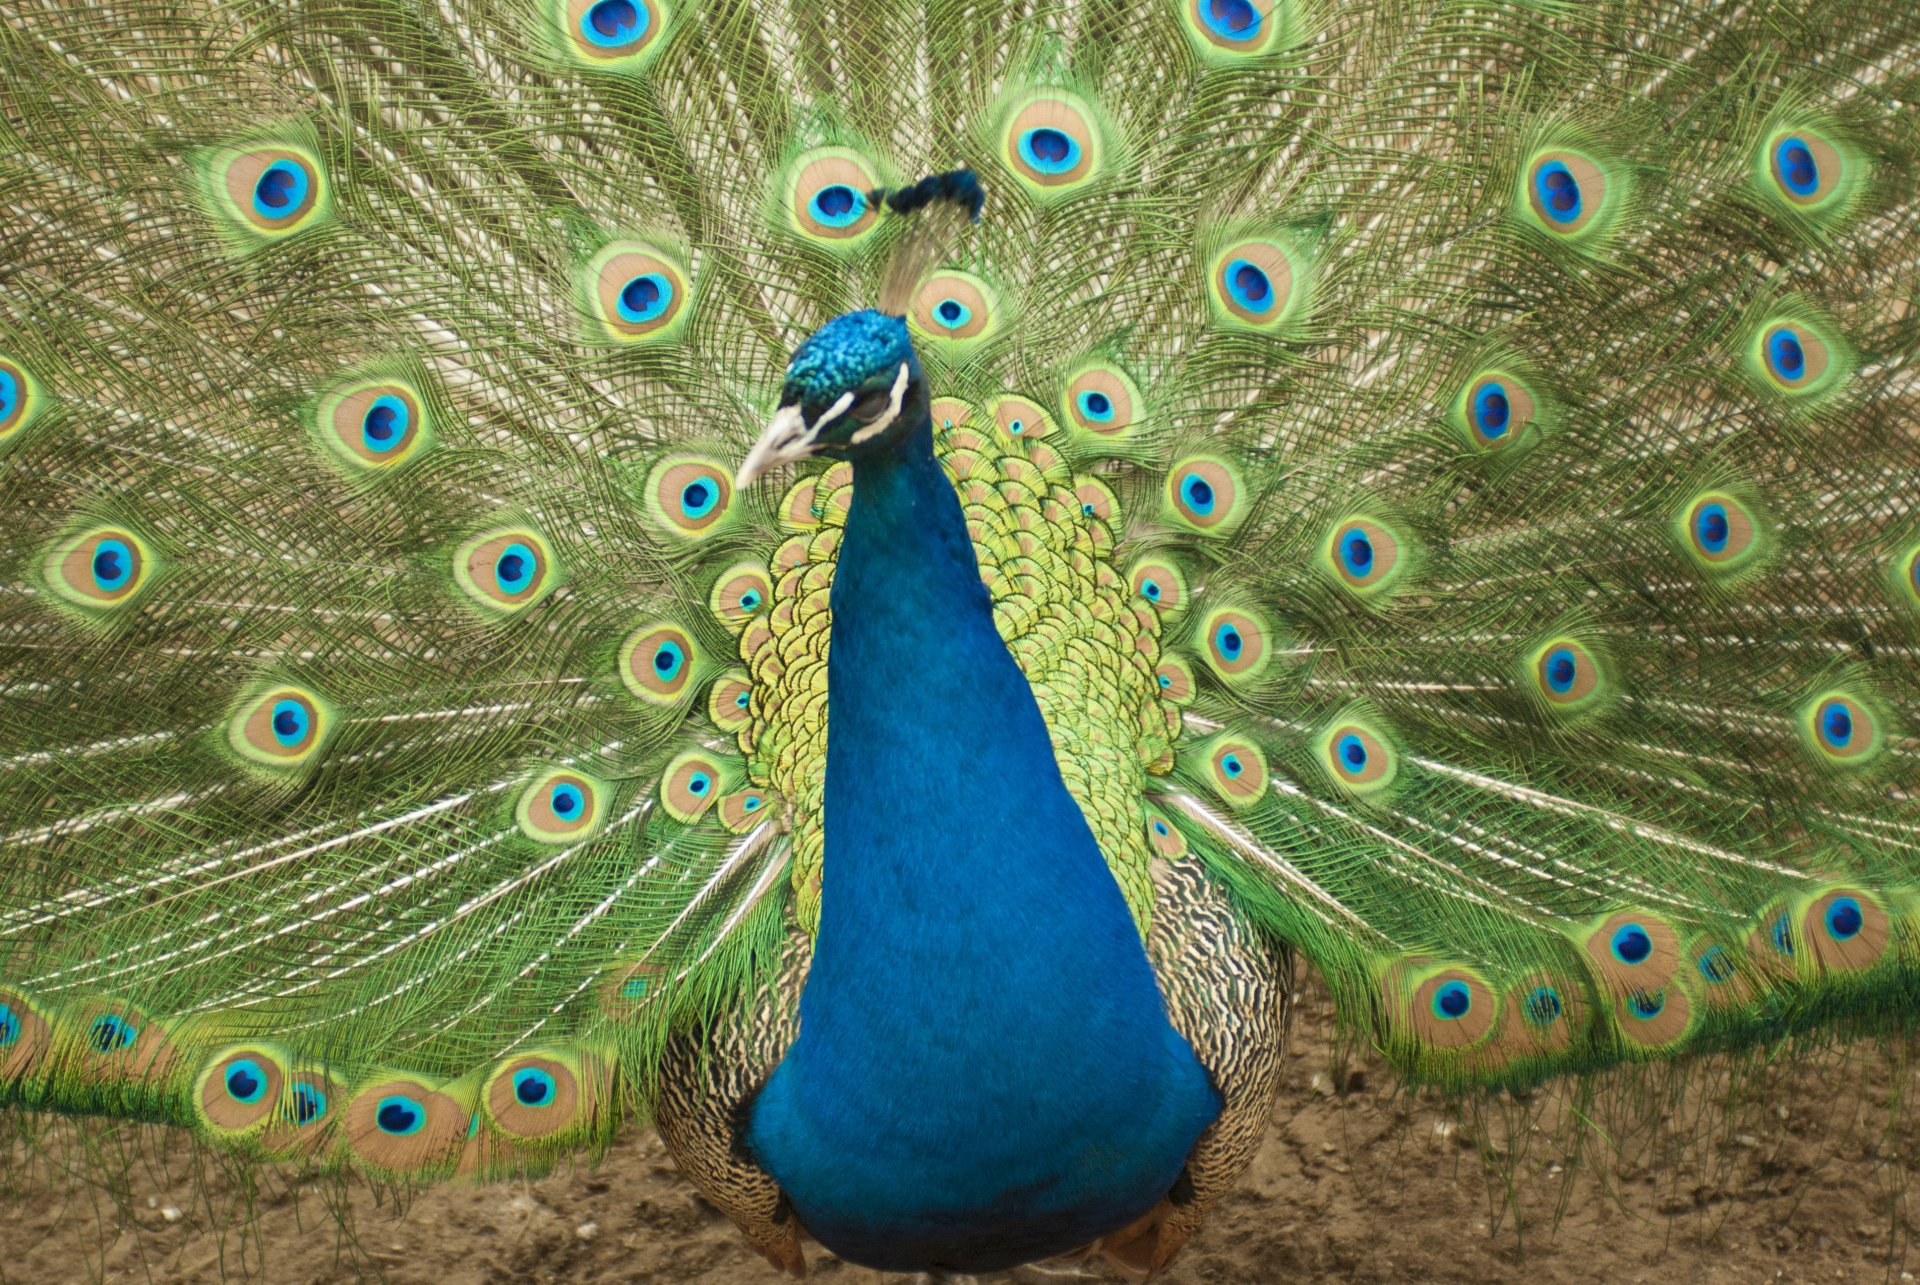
1542	1006
561	806
827	197
1253	284
1096	501
1495	410
612	33
102	568
1805	168
1365	555
1721	532
1795	359
109	1034
657	663
1846	930
19	398
1567	192
1102	399
1050	142
1567	676
1842	729
1234	27
1237	771
1358	757
1204	494
739	594
1236	644
636	291
690	496
627	988
691	785
953	306
309	1103
1634	951
280	727
744	809
25	1036
730	701
505	571
1160	582
271	191
1175	680
374	425
1452	1009
1164	837
1020	418
241	1089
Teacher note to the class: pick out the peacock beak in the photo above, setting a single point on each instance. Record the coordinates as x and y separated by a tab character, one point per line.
788	438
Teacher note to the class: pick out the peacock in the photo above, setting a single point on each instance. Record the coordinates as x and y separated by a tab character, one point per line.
860	580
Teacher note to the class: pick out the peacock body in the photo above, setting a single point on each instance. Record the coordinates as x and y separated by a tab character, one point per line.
500	635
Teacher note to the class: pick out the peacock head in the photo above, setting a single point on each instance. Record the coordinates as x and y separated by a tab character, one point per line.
853	388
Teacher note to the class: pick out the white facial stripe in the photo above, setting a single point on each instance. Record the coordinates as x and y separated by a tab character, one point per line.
832	412
898	396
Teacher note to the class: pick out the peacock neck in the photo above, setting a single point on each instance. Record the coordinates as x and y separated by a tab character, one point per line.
985	1072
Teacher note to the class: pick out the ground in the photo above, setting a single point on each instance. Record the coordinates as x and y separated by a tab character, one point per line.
1791	1173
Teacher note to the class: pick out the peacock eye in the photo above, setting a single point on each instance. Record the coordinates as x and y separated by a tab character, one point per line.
871	406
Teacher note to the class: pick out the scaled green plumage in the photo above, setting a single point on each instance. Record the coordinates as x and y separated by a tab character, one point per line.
398	754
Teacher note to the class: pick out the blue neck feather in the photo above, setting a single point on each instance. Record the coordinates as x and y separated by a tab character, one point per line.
985	1073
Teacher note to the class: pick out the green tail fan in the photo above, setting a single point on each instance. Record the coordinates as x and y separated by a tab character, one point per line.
1444	471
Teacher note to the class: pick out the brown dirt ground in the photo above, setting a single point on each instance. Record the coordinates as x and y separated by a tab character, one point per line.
1745	1173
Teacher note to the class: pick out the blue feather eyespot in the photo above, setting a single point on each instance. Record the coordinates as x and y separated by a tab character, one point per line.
309	1103
637	292
692	784
1647	1005
9	1026
1847	930
1365	555
1542	1006
1164	837
1229	30
742	592
1358	757
1451	1009
505	571
1237	644
1634	950
613	34
741	811
1716	965
245	1081
271	191
1051	142
1567	193
1805	169
533	1087
827	196
1567	677
1096	501
1160	582
111	1034
102	568
1253	284
657	663
561	806
19	400
1102	399
373	425
1174	680
1020	418
689	495
730	701
1795	359
953	306
1780	935
400	1116
1237	771
626	988
1843	730
1204	493
1721	532
1495	410
1492	410
280	727
1630	944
